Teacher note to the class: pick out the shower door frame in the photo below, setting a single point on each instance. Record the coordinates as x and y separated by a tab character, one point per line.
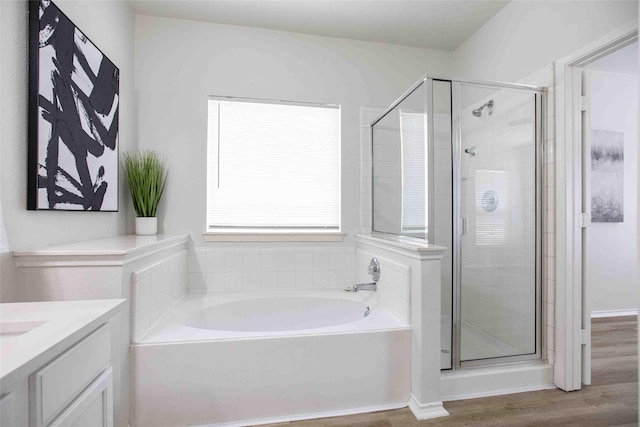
456	154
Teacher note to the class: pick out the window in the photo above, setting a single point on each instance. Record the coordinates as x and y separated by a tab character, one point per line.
273	167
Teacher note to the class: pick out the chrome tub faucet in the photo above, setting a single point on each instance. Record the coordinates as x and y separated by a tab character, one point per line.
374	271
373	286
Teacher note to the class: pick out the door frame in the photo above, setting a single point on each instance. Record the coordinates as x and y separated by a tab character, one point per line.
540	99
568	237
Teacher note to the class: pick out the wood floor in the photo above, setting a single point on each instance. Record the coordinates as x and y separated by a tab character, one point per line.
611	400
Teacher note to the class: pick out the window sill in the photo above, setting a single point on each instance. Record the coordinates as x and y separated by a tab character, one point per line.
234	236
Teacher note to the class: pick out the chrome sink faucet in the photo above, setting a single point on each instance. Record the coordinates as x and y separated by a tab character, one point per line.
374	271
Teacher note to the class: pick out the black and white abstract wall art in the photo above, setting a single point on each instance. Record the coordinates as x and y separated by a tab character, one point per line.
607	176
73	117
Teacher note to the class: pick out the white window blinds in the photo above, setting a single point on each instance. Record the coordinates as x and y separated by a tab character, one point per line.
273	166
413	143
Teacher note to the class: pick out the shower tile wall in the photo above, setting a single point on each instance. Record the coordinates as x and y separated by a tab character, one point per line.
545	77
234	269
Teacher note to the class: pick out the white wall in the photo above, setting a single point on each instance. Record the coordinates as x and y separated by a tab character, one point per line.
109	25
7	272
612	272
527	35
179	63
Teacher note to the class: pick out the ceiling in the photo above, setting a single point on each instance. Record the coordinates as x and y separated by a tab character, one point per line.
623	60
432	24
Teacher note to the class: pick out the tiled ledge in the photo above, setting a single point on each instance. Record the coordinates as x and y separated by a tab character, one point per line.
403	245
118	250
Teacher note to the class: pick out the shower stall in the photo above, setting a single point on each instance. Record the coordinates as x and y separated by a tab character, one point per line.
459	164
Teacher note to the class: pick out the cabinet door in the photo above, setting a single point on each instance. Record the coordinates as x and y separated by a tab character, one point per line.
93	408
59	383
7	414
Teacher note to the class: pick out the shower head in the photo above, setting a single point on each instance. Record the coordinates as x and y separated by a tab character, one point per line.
478	111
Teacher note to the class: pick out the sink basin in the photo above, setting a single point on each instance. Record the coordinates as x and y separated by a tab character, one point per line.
19	328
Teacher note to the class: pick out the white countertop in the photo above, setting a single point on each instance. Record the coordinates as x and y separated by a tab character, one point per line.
31	333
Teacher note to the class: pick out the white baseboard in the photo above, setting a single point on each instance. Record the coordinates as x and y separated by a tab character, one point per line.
425	411
613	313
308	416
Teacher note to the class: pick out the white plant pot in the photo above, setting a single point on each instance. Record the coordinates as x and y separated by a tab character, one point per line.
146	226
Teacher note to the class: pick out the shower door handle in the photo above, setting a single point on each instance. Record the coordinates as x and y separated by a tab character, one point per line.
465	225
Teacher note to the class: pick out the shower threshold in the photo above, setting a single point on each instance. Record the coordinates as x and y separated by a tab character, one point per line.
494	380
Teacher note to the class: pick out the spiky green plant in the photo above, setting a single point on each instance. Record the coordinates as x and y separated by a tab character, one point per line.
147	177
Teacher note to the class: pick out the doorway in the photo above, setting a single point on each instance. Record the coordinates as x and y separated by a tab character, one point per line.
610	180
574	203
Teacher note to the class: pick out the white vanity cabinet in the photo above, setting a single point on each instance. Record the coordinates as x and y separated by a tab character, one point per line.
50	381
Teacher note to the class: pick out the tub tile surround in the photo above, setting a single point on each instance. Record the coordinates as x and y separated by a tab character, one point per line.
155	289
405	280
273	388
235	269
393	293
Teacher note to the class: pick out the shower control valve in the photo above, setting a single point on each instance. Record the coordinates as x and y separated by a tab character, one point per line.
374	269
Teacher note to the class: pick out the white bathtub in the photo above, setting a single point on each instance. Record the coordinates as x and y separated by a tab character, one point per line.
256	358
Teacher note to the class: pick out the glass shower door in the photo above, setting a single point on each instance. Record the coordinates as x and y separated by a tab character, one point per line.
498	216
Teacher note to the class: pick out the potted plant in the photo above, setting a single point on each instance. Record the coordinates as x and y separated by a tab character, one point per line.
147	177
